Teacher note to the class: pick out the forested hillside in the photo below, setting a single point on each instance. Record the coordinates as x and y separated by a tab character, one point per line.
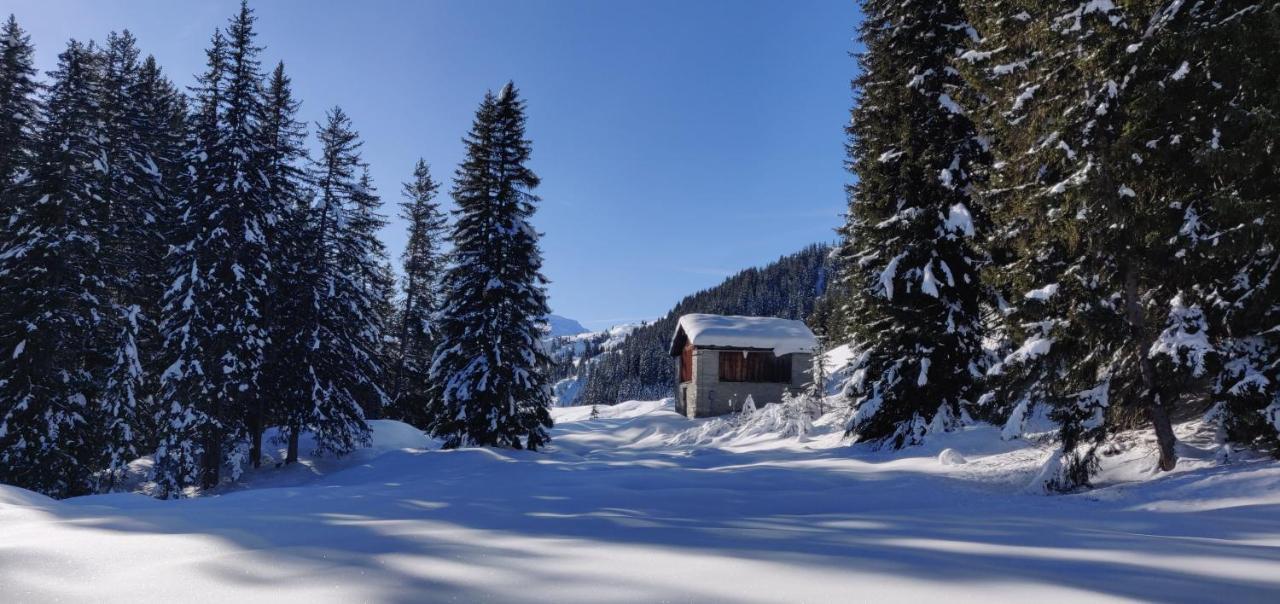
640	367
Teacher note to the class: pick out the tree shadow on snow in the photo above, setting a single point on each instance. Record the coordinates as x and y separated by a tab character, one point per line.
404	523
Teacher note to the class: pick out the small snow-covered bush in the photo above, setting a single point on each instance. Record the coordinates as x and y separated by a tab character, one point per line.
951	457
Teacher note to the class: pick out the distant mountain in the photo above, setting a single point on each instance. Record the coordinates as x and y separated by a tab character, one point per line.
639	367
561	326
570	353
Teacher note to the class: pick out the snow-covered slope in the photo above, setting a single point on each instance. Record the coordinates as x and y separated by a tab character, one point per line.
575	350
558	326
629	507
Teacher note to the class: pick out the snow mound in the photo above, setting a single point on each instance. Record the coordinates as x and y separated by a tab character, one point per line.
18	497
783	336
627	410
773	421
951	457
391	435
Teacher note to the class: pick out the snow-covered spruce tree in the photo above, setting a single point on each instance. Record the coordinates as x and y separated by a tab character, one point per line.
55	297
1226	110
377	279
329	358
1100	171
489	363
423	262
221	269
284	166
377	404
909	263
19	111
160	171
183	425
120	418
134	195
1053	197
816	393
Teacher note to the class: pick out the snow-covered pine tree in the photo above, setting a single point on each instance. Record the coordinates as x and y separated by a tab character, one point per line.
55	297
214	325
119	418
424	263
387	314
1225	108
134	195
160	153
908	256
330	357
1100	149
378	281
1053	194
19	111
284	166
183	424
816	393
489	363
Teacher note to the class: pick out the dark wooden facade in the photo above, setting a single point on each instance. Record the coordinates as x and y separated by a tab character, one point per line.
759	367
686	363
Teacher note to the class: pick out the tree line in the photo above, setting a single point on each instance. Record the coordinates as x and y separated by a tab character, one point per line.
180	275
1070	207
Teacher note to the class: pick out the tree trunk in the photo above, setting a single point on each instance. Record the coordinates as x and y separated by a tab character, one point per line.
1164	433
255	444
292	456
1157	412
210	474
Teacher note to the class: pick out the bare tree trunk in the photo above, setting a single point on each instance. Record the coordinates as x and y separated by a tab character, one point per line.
210	474
255	443
1157	411
292	456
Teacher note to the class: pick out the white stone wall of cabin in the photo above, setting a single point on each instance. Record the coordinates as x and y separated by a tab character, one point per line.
707	396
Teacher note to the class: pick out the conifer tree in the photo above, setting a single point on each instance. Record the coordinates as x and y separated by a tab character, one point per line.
1225	108
489	363
134	196
19	112
215	329
51	281
160	149
378	282
332	352
423	263
908	256
1064	280
284	162
1103	146
120	418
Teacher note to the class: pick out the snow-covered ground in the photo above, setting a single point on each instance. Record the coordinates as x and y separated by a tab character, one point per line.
643	505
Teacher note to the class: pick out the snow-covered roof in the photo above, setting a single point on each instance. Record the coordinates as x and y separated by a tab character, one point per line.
783	336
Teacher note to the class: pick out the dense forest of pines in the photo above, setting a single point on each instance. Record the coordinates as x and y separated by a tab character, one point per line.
1067	206
181	276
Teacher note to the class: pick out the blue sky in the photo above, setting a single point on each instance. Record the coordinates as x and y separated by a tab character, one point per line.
677	141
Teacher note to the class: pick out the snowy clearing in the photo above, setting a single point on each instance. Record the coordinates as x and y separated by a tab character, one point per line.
616	512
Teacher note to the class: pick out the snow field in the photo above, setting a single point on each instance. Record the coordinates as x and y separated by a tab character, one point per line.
619	510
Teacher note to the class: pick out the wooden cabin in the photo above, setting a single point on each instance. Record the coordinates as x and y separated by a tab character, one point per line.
721	360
